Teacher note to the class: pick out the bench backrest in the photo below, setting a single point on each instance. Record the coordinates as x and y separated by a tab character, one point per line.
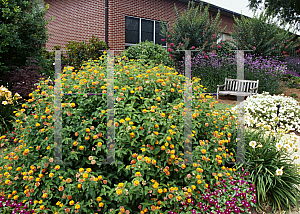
240	85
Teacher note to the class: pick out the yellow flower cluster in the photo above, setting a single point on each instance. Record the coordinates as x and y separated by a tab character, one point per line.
6	96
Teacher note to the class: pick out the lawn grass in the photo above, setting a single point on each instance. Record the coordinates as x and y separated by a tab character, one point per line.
222	106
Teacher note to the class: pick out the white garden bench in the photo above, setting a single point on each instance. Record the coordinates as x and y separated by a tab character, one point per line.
238	87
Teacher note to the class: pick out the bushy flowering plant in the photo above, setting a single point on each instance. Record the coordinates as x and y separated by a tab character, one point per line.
149	173
261	109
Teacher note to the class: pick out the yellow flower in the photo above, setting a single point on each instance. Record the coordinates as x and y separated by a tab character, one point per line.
71	202
122	121
81	170
99	199
155	185
77	206
127	118
37	124
136	182
159	190
121	185
119	191
168	138
85	175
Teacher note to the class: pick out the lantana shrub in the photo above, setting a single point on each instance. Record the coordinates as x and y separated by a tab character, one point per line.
261	109
149	124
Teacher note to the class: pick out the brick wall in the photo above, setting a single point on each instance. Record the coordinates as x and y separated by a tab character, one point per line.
79	19
75	20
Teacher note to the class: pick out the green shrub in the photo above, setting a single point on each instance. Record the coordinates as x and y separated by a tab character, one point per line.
148	52
78	52
22	31
149	131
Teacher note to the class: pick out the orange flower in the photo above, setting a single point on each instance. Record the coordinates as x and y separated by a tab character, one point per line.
153	208
61	188
79	186
69	197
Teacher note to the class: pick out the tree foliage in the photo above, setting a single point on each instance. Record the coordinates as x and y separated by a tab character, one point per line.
289	11
22	31
262	35
192	29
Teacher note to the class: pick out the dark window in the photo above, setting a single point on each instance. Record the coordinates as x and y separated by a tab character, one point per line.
147	30
132	30
158	37
134	26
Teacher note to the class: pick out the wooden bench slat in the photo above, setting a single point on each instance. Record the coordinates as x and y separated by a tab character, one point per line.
238	87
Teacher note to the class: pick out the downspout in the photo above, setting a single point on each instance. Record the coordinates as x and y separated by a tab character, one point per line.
106	22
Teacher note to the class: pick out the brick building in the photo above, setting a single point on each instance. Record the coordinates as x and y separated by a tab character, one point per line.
120	23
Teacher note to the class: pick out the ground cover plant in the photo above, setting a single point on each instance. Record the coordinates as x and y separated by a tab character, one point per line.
148	124
262	109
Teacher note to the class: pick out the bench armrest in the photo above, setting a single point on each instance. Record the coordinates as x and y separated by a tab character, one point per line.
220	85
252	89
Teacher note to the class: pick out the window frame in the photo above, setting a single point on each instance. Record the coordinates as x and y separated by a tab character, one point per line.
140	31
